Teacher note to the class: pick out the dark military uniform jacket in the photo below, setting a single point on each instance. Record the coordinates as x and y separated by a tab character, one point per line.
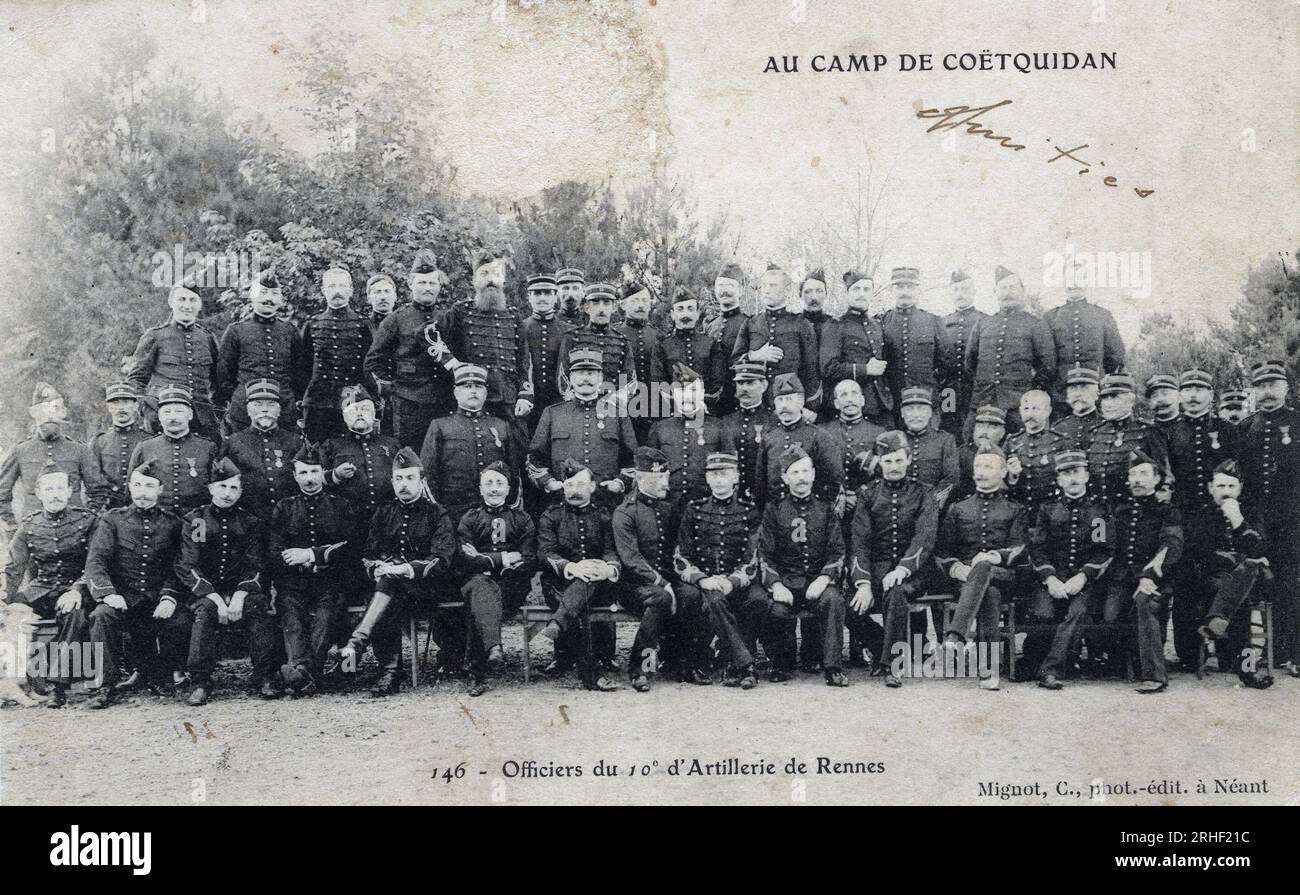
793	335
644	339
800	539
493	531
51	549
1037	452
567	534
580	429
1078	429
222	551
176	354
829	482
1108	451
1008	354
260	348
133	554
372	454
419	532
645	532
854	445
1270	462
895	524
747	426
111	451
1085	336
400	351
955	389
687	446
542	338
934	460
492	340
326	524
616	357
698	351
846	345
334	348
456	449
818	319
1145	526
1196	446
265	461
725	328
718	537
1071	535
981	522
184	467
917	348
29	459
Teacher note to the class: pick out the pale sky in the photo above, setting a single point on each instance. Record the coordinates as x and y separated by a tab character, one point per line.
558	90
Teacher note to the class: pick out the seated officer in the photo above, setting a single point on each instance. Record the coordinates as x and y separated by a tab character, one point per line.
498	552
1070	547
894	528
223	552
575	546
800	560
410	544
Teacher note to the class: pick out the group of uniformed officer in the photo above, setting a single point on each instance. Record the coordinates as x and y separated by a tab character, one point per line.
727	483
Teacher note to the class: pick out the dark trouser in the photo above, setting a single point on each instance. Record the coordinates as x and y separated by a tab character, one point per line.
570	603
157	646
1231	601
1125	602
411	421
779	637
205	634
309	608
321	423
980	601
489	600
392	604
70	636
656	608
1283	540
720	614
895	607
1069	615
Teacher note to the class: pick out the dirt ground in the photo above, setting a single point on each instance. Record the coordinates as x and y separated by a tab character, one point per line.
931	741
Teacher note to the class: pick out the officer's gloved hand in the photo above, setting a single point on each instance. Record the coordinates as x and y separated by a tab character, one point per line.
861	601
116	601
236	607
523	407
781	594
344	471
223	614
876	366
68	602
896	577
165	608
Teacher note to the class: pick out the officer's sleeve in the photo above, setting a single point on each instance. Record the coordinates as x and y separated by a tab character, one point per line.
833	567
951	465
214	353
626	442
562	365
638	569
9	474
302	368
740	350
760	474
686	570
299	364
524	365
745	573
609	552
374	549
99	560
1112	345
431	459
379	359
860	536
16	563
442	549
828	353
548	541
945	550
539	452
1101	546
946	361
830	471
98	495
716	375
188	561
1044	348
482	560
143	360
972	359
1040	546
923	536
1017	538
254	559
276	542
92	481
1248	539
223	384
527	542
809	373
726	439
767	567
137	457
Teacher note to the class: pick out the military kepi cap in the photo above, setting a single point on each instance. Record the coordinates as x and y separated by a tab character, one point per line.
1116	384
116	391
1268	371
1066	460
175	394
904	276
746	371
648	459
600	292
990	414
262	390
1082	376
1159	381
1233	398
471	374
721	460
541	281
916	394
1195	379
585	359
569	275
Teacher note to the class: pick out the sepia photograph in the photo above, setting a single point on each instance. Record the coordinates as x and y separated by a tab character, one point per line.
642	402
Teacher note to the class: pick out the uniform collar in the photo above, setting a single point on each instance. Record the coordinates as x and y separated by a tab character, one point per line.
634	323
175	438
544	318
361	436
731	312
572	508
55	517
345	311
470	414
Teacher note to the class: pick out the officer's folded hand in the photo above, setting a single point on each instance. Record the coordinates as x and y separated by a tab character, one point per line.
895	577
781	594
614	486
512	559
236	607
68	602
523	407
959	571
554	485
713	582
163	611
1076	583
1056	588
876	366
1014	467
470	550
1147	586
117	601
344	471
992	557
297	556
818	585
223	613
861	601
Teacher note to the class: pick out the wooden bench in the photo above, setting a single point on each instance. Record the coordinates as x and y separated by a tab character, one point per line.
355	614
535	616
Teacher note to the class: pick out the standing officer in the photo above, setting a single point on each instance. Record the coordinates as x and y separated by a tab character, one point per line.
541	332
419	387
724	328
486	332
178	352
853	436
130	567
716	560
688	436
261	347
643	338
690	347
1082	387
1010	352
747	424
1071	545
1085	335
359	465
575	547
990	428
460	446
1031	452
955	391
800	561
935	460
597	334
111	449
1270	459
181	460
50	547
334	347
410	546
645	531
1198	442
1118	435
853	347
1162	397
782	341
30	458
497	556
793	428
893	534
381	294
263	452
221	562
312	549
812	292
916	343
572	283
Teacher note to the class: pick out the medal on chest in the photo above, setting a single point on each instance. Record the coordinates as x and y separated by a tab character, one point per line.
194	472
1042	459
758	433
1286	434
1214	440
495	436
1119	439
279	458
